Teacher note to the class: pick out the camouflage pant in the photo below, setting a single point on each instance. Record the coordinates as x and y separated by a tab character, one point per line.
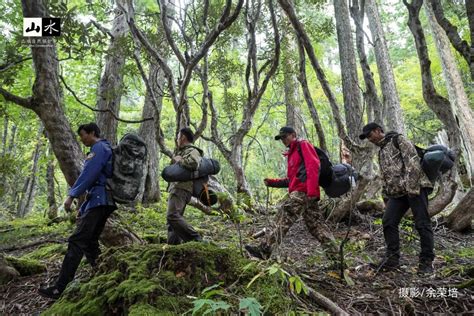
294	206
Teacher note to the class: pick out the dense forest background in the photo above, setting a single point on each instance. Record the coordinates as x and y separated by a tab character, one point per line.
235	71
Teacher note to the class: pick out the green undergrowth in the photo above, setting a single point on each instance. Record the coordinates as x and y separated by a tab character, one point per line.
48	252
22	230
25	266
160	279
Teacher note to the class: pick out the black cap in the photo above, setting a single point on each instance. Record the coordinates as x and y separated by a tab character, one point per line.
369	128
285	131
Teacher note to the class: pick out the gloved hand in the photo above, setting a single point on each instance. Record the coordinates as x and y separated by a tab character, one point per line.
266	181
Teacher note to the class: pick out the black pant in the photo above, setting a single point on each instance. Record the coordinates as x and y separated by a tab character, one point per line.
84	241
396	208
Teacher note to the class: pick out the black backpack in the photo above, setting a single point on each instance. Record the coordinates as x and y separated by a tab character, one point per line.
129	161
335	180
435	160
325	171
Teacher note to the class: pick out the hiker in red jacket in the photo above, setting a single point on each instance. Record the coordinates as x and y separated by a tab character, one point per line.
302	182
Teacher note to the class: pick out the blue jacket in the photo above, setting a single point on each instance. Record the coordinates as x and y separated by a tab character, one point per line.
93	178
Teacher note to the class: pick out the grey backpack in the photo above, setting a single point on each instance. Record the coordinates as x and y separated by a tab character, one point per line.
129	161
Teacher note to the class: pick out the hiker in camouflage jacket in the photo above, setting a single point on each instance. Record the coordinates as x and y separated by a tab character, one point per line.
405	186
188	156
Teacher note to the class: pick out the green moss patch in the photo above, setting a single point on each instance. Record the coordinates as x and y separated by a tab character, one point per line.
165	280
26	266
48	252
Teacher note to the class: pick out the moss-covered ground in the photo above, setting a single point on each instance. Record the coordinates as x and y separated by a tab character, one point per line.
216	278
167	279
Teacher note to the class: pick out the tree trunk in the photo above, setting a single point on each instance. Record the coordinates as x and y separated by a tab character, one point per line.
457	94
27	200
444	196
437	103
350	81
440	105
46	102
392	109
451	31
51	196
461	217
290	85
11	143
148	132
237	167
374	106
309	100
115	234
288	7
111	83
4	135
347	203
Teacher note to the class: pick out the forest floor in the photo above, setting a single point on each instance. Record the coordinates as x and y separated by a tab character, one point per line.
361	290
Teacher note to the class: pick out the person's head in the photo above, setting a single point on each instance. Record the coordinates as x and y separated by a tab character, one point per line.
287	134
89	134
185	136
373	132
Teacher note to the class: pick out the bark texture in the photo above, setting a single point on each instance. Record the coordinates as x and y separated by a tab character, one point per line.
392	109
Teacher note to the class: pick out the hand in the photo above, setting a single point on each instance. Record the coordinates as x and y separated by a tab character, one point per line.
266	181
177	159
68	203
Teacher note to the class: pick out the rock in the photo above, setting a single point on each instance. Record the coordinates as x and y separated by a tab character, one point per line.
7	272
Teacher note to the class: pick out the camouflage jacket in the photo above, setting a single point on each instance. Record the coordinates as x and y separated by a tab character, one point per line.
400	168
191	159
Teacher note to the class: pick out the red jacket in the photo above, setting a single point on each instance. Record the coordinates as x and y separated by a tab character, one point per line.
302	176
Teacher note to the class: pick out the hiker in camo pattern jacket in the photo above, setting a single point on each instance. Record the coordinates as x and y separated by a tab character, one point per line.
405	186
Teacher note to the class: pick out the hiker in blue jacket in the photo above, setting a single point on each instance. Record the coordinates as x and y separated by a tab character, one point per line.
93	213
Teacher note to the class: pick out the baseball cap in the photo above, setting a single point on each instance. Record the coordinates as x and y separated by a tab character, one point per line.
284	131
369	128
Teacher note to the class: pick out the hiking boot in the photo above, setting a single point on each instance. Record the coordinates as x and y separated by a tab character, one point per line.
425	267
51	292
260	252
386	264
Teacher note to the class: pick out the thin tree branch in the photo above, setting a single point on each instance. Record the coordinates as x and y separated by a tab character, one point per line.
97	110
24	102
103	29
159	134
7	66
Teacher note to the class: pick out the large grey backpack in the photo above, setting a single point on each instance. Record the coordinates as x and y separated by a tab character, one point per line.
129	161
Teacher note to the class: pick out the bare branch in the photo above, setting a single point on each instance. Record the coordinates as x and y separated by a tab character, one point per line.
301	33
24	102
216	139
97	110
138	36
456	40
168	34
103	29
159	134
307	95
7	66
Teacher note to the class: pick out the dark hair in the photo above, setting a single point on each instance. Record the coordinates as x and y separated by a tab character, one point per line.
188	133
89	128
